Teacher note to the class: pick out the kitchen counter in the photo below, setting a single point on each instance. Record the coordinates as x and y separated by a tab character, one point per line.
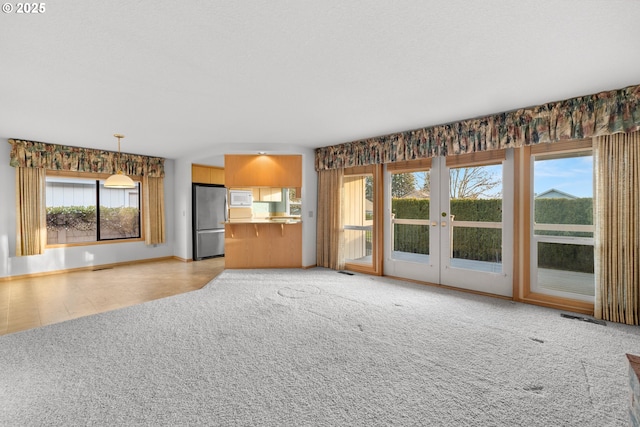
271	242
268	220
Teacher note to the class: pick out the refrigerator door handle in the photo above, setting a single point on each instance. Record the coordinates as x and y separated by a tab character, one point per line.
226	209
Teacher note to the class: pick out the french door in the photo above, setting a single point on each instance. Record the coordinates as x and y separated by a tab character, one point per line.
449	221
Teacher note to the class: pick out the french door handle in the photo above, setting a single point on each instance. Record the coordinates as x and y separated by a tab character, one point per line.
434	223
443	223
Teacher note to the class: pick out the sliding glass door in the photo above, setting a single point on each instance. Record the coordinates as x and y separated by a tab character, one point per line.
360	218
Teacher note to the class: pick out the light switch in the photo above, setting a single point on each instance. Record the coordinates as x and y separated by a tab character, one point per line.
310	214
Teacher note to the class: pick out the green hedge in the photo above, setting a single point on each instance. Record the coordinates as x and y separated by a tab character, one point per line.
119	222
485	244
410	208
478	244
411	238
566	257
564	211
114	222
463	209
71	218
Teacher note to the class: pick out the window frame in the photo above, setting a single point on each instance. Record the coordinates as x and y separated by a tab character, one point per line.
523	213
537	238
289	201
376	267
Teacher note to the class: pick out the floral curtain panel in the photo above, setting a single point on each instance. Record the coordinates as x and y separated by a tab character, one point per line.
31	154
605	113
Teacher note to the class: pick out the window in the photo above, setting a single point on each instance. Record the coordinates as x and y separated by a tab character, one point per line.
294	202
410	203
562	249
81	210
475	200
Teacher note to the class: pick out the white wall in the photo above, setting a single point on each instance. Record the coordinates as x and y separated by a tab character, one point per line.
177	210
215	157
77	256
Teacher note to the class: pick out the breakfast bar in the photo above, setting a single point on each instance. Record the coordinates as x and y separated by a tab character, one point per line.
263	229
263	243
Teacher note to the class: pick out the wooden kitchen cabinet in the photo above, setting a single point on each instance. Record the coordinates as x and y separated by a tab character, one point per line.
281	171
263	245
270	194
207	174
266	194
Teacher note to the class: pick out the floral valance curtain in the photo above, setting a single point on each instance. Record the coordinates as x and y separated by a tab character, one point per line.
605	113
31	154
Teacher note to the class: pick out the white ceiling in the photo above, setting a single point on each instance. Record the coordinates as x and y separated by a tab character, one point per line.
180	77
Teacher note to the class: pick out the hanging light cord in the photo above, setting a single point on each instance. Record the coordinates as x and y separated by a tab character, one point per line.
117	135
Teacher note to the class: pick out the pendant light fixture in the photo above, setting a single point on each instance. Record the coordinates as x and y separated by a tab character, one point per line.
119	180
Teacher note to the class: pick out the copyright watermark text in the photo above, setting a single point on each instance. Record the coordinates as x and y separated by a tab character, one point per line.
30	8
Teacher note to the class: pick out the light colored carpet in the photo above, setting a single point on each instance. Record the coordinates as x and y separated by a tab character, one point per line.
315	347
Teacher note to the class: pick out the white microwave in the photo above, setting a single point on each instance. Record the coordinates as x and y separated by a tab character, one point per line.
240	199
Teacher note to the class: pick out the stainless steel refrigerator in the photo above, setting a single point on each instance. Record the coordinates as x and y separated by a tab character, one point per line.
209	214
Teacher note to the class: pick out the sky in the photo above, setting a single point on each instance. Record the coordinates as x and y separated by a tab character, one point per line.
572	175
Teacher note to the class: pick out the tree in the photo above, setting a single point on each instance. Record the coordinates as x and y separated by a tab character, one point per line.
426	181
464	183
402	184
368	187
472	183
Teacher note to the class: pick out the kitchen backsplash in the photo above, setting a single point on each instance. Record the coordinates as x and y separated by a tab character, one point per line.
261	209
